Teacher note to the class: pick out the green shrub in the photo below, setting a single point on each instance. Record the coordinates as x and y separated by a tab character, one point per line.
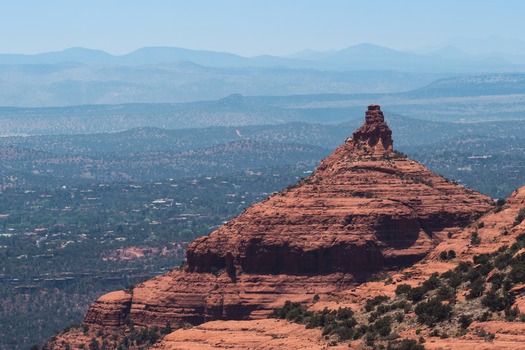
407	308
432	283
372	303
167	329
382	309
496	302
502	260
465	321
383	326
432	311
476	289
94	345
445	293
511	313
463	266
399	305
416	294
294	312
481	259
474	238
344	333
344	313
340	323
520	243
496	280
403	289
473	275
454	278
326	317
360	331
484	317
521	238
517	273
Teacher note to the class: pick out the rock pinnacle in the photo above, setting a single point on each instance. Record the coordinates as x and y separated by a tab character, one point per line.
374	137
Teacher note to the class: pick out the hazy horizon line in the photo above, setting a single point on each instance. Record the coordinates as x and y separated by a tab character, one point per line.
421	49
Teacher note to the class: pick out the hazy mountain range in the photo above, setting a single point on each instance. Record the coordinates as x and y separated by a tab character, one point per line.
358	57
79	76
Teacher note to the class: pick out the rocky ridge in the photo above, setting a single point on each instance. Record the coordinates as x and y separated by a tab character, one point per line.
365	209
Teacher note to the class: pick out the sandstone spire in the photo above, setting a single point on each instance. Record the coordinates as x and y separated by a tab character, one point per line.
374	137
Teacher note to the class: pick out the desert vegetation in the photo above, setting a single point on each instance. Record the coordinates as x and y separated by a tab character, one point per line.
486	281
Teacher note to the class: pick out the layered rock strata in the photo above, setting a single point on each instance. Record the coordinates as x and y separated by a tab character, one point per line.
365	208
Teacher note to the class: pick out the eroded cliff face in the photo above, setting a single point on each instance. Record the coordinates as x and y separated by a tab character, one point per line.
365	208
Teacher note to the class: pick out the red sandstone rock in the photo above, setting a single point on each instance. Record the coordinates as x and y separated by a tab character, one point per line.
364	209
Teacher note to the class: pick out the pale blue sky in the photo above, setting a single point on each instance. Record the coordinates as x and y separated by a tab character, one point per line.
248	27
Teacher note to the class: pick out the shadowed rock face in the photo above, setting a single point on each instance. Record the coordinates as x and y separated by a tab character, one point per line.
364	209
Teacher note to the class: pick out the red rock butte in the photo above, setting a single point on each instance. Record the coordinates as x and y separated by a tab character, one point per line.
366	208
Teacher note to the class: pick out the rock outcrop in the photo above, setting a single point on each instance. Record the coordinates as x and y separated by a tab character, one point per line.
365	209
110	309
